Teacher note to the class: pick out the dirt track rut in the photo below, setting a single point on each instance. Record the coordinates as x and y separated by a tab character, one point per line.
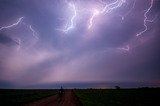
68	99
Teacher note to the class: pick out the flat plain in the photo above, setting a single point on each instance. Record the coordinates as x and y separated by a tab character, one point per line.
81	97
121	97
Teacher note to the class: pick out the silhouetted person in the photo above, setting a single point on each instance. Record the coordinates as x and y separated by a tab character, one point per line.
61	92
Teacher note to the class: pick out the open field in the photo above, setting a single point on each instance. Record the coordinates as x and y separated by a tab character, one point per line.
122	97
88	97
17	97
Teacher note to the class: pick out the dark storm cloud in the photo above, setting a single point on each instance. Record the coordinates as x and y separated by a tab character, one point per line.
5	40
80	55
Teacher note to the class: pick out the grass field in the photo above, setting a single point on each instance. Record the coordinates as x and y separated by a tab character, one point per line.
88	97
121	97
18	97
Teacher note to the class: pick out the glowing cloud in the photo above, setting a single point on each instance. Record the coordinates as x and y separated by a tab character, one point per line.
95	13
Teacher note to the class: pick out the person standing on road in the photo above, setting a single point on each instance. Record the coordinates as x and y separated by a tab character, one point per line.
61	92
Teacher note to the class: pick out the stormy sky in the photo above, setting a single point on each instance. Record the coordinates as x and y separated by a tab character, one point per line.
52	43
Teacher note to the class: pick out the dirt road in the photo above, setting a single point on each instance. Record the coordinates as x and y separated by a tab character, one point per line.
67	99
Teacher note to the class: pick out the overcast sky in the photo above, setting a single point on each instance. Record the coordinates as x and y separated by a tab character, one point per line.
38	50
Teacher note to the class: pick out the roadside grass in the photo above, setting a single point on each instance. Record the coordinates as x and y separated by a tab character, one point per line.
121	97
14	97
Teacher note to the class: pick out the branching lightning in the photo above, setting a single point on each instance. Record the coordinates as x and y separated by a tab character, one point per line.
146	19
12	25
133	6
95	12
107	9
69	27
17	23
18	40
127	48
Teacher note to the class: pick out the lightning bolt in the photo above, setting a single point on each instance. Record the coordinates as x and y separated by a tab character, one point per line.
123	16
17	23
95	13
69	27
34	33
12	25
107	9
146	19
18	40
127	48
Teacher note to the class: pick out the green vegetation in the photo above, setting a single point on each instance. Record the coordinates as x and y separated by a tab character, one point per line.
18	97
121	97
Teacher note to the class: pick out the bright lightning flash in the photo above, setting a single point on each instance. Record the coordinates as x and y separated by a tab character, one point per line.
127	48
107	9
146	19
110	7
133	6
18	40
12	25
95	13
69	27
17	23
